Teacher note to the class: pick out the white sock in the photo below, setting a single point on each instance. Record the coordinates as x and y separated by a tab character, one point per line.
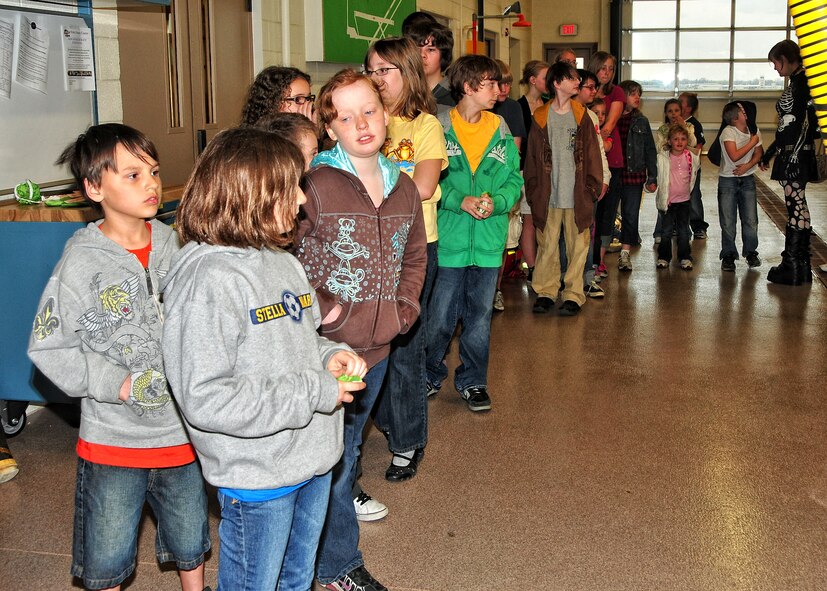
402	458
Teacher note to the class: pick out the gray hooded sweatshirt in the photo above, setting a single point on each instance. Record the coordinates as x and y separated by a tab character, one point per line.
98	322
247	366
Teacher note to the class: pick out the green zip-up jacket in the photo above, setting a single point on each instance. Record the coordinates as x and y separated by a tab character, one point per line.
463	240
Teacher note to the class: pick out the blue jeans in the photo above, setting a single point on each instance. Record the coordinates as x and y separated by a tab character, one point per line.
467	294
272	543
630	211
109	501
736	197
676	217
607	209
402	409
339	546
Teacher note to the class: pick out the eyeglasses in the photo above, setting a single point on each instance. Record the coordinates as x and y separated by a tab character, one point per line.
300	99
381	72
589	87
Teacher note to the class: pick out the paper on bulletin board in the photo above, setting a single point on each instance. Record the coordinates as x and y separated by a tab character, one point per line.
32	56
78	63
6	56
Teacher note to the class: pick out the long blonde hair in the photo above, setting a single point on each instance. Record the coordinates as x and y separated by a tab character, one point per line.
416	97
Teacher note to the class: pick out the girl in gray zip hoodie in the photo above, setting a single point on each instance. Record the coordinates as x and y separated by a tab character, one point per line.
255	382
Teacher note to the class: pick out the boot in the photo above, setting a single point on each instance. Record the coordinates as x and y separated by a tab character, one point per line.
804	255
790	271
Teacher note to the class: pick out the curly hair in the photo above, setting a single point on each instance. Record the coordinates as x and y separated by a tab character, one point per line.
267	92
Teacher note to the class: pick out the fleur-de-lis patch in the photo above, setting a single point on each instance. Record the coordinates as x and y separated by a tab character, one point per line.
45	323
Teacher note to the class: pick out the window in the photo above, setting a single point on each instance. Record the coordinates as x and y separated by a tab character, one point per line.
697	45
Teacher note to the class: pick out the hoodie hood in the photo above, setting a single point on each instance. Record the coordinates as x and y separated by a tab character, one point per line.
189	255
338	158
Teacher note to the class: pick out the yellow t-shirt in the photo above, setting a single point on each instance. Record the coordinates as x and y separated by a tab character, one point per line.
475	137
410	142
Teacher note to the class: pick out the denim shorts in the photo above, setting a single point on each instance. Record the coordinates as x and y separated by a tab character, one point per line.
109	501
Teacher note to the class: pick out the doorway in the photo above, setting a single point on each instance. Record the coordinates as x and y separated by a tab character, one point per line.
583	51
185	70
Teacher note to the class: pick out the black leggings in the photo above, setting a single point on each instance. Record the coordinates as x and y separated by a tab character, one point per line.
798	214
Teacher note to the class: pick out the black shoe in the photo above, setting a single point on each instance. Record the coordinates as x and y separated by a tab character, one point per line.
543	305
569	308
359	579
728	264
476	397
753	261
396	473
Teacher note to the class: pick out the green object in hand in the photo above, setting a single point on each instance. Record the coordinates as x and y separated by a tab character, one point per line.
27	192
347	378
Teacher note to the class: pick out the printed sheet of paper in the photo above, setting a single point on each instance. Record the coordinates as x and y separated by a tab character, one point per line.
78	63
6	55
32	56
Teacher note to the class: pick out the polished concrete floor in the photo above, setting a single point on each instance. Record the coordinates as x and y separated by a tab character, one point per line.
670	437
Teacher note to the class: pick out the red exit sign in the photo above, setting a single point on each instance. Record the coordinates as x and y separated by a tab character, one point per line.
568	29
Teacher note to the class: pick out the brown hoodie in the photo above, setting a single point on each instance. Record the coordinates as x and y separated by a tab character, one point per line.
370	260
588	180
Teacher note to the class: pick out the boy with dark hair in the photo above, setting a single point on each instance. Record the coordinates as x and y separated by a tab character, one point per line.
482	185
98	337
741	151
562	188
436	46
689	108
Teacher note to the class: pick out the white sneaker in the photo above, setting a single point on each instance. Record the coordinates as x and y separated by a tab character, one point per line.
662	264
686	265
368	508
625	261
498	301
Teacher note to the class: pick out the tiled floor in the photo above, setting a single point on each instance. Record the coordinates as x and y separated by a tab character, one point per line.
670	437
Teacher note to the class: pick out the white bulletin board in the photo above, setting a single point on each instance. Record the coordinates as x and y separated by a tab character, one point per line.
36	127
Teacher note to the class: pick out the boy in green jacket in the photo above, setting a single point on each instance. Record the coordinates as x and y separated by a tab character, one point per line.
481	186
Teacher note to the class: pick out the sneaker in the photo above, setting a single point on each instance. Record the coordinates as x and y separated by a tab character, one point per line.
728	264
753	261
476	397
625	261
657	240
602	272
569	308
430	389
686	264
662	264
700	235
368	509
614	245
8	465
542	305
359	579
498	301
593	290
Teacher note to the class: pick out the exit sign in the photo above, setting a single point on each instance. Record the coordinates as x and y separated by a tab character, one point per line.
568	30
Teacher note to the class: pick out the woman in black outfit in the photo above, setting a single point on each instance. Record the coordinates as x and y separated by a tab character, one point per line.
795	162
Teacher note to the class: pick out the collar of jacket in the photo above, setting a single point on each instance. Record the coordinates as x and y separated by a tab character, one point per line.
541	114
338	158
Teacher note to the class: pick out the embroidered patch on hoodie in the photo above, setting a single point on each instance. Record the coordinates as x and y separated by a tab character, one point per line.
290	306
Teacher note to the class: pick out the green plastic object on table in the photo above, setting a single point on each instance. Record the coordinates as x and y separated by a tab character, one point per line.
27	192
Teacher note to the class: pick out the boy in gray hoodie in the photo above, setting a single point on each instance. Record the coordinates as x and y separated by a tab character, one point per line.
256	384
97	336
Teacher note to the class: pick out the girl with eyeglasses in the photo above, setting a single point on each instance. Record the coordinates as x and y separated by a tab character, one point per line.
416	144
278	89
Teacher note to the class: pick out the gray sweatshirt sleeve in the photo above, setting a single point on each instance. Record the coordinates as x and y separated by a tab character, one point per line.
201	347
56	349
